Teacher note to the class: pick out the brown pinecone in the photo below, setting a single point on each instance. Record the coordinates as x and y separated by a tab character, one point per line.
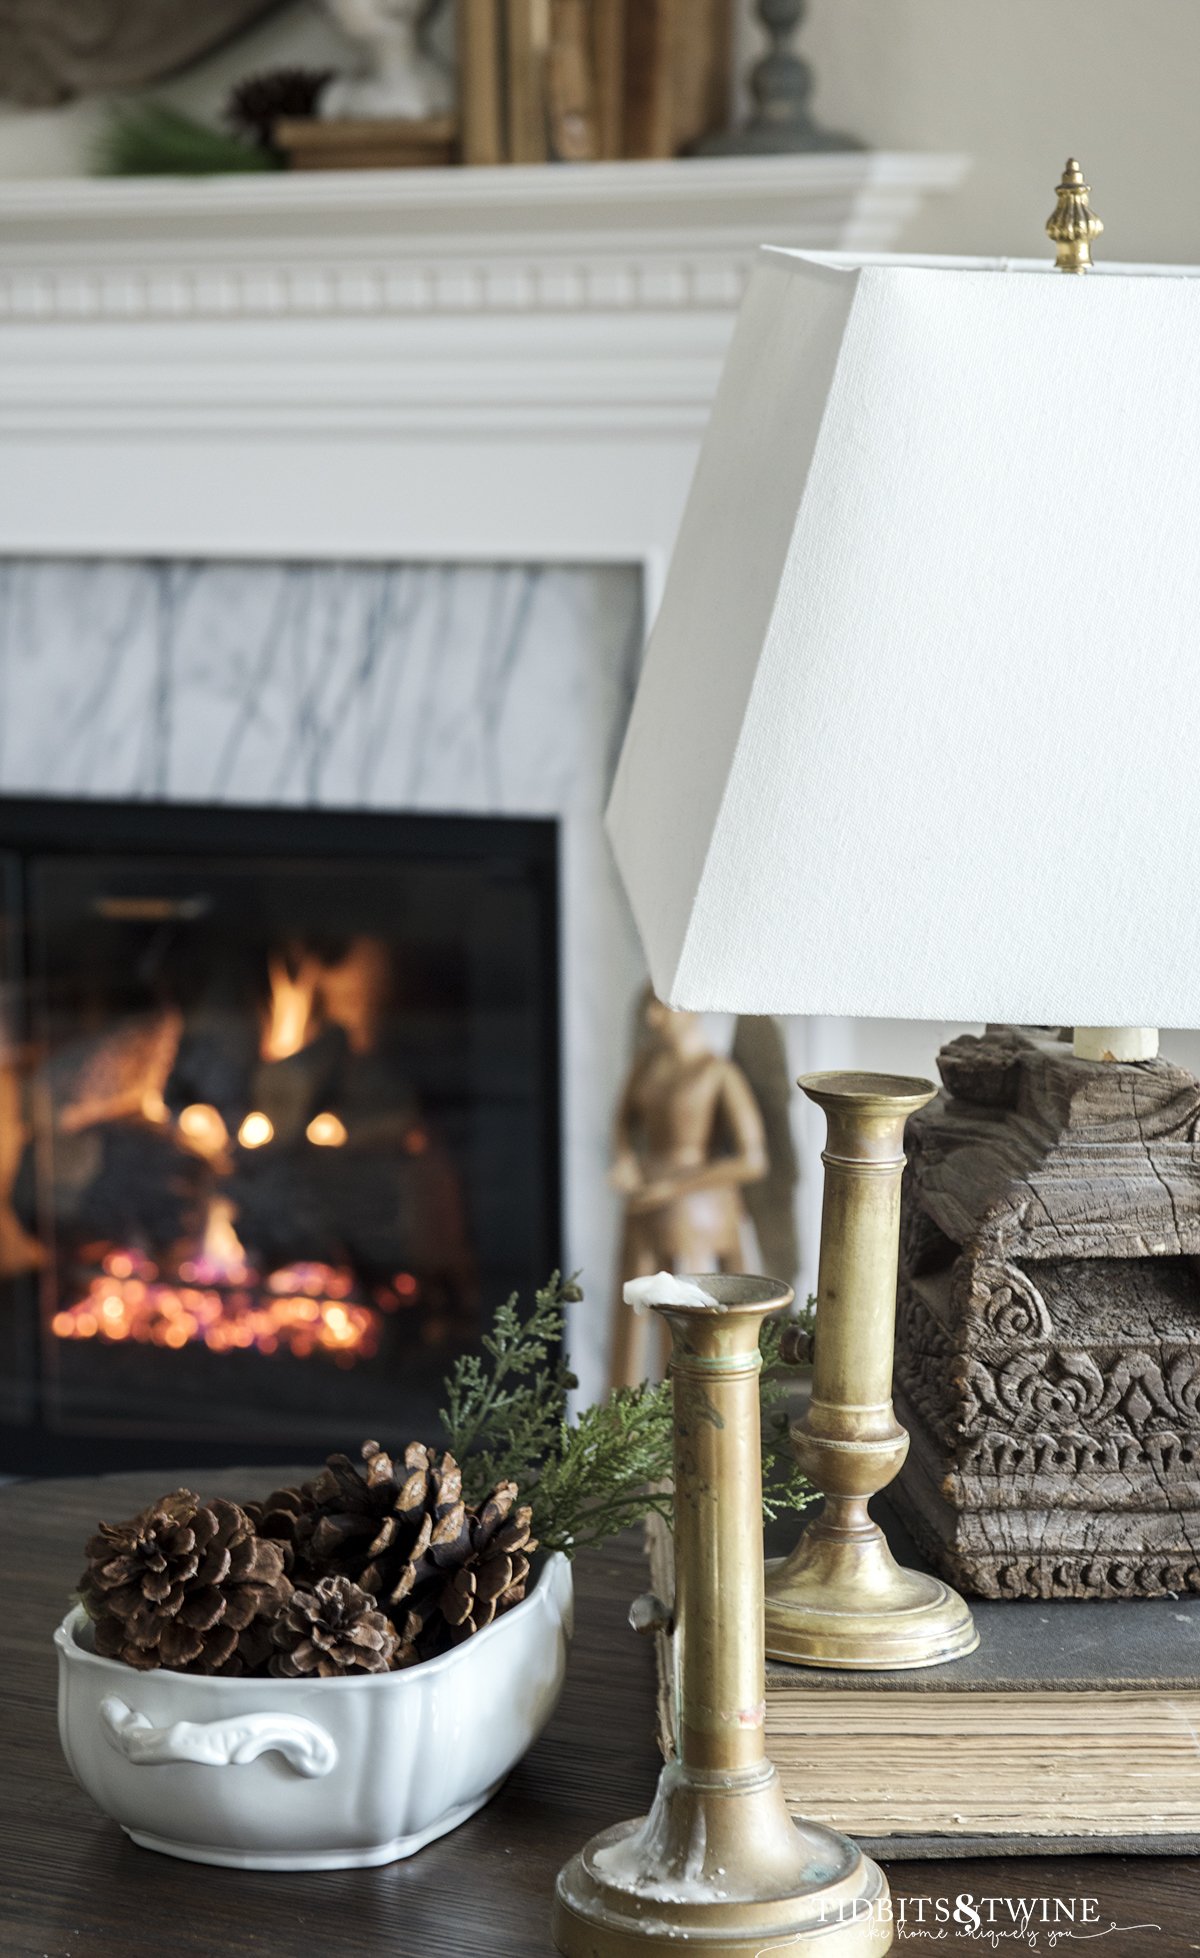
330	1631
282	1518
384	1526
488	1576
186	1585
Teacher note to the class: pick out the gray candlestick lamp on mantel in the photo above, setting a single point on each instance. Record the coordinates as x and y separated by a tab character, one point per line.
781	83
915	738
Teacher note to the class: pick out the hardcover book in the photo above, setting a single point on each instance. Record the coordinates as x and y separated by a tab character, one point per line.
1074	1728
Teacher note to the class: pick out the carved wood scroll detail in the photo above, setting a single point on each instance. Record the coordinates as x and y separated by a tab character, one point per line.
1052	1391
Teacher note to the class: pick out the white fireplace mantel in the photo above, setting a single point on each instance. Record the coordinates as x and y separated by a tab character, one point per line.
470	363
327	394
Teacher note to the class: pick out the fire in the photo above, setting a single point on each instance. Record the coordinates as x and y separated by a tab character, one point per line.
217	1299
292	1010
204	1128
256	1130
326	1131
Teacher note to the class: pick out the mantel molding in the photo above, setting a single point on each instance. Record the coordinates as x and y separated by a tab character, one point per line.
485	362
634	238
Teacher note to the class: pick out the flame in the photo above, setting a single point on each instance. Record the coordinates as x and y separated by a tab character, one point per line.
202	1126
256	1130
326	1131
289	1024
217	1299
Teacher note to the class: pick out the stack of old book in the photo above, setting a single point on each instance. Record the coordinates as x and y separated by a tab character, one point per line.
1074	1728
582	80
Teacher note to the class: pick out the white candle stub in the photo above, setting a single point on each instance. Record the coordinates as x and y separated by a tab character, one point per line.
665	1289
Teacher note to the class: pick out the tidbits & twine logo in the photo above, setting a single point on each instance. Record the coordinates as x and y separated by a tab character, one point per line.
995	1923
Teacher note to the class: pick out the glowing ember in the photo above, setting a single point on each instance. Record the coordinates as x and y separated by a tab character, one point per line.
219	1301
326	1131
256	1129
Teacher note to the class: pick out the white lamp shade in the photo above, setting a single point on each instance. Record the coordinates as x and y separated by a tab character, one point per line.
918	733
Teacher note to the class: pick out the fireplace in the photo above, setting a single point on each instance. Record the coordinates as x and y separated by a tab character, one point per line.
278	1120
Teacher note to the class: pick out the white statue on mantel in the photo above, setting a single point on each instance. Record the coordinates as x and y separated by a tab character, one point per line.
399	81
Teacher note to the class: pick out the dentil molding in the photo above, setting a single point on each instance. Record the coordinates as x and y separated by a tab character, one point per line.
510	365
429	299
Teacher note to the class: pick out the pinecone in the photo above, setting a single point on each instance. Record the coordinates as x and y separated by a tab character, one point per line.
259	102
403	1533
330	1631
186	1585
489	1573
283	1519
383	1527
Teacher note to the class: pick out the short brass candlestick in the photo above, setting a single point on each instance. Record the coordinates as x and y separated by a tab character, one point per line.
841	1599
718	1865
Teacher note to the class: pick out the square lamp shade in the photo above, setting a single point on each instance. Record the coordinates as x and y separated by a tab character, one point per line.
918	733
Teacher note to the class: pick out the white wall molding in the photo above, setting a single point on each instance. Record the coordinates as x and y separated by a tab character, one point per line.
623	236
429	296
510	363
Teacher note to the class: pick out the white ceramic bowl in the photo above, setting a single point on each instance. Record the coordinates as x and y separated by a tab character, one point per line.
328	1774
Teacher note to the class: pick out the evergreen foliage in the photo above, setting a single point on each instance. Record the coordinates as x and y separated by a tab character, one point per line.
506	1418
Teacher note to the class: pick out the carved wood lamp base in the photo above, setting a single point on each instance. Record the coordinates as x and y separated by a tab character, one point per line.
1048	1337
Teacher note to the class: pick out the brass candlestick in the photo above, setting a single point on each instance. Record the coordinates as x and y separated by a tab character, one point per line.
841	1599
718	1864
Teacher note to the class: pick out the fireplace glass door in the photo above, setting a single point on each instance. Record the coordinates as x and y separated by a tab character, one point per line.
278	1121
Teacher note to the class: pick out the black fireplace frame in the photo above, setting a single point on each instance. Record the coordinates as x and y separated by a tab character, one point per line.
48	826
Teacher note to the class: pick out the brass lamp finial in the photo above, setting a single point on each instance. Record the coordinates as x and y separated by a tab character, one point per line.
1073	223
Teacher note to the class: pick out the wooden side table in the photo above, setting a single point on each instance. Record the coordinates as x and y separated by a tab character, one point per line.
72	1886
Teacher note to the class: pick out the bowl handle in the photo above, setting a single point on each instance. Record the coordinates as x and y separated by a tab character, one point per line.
219	1743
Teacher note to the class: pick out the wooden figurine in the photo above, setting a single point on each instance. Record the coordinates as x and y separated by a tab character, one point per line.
1048	1332
689	1137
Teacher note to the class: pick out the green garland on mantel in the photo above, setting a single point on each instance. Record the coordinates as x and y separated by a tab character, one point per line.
506	1419
150	139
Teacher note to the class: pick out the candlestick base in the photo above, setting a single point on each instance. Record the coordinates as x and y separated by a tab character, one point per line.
842	1601
719	1865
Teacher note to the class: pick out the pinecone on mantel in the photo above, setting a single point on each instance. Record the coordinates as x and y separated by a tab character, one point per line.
186	1585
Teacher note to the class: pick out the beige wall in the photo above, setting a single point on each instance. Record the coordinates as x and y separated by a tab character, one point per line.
1016	83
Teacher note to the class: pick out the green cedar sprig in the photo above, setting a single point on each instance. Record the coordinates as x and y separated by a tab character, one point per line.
505	1406
151	139
506	1418
784	1487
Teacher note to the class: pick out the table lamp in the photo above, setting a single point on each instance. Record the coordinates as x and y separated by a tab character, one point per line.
915	739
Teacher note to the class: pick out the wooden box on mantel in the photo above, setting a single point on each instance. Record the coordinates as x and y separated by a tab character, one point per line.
358	143
1048	1330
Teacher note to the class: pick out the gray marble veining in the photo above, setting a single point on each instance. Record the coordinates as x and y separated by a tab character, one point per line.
472	689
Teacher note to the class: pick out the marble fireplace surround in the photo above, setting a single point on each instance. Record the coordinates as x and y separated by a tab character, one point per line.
357	491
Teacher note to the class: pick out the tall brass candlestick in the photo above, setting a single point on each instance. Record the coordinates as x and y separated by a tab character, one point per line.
841	1599
719	1864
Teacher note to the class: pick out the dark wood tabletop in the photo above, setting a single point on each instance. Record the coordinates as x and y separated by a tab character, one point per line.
72	1886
